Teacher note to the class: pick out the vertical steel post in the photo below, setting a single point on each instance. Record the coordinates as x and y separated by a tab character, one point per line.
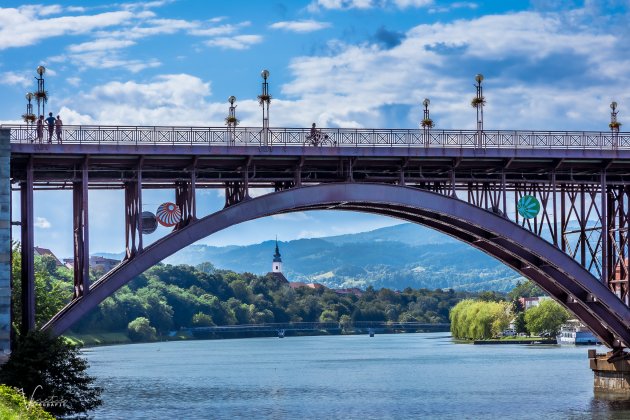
81	236
139	203
28	257
264	100
504	193
603	190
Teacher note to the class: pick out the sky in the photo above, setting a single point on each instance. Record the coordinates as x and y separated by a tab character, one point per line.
548	65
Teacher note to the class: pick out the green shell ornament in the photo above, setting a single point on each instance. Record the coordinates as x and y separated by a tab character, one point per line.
528	206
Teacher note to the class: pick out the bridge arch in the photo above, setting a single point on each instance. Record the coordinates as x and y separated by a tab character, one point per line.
553	270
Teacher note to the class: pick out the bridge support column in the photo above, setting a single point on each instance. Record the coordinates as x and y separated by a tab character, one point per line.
610	378
5	245
28	257
185	200
81	234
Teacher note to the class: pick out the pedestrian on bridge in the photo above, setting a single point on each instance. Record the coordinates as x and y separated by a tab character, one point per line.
58	127
51	126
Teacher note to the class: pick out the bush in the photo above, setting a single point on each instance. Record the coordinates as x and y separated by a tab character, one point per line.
51	371
202	320
141	330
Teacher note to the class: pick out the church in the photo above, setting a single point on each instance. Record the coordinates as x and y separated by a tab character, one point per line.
276	271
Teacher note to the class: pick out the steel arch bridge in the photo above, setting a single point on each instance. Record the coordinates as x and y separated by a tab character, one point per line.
464	184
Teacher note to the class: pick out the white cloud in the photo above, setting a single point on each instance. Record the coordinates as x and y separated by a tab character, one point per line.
22	26
103	44
238	42
16	79
73	81
365	4
301	26
292	217
42	223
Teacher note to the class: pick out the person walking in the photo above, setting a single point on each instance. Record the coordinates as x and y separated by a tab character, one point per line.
58	127
51	126
40	128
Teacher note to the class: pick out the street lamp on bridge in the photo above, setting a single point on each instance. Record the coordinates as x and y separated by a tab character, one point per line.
478	102
29	117
427	122
231	121
263	99
41	96
614	124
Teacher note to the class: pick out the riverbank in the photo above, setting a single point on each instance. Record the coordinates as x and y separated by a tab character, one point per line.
121	337
520	340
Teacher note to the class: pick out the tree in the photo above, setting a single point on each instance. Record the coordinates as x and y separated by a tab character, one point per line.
140	329
51	370
527	289
202	320
519	323
546	318
478	320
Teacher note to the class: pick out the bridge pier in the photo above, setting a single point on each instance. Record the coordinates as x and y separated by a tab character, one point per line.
5	245
27	246
610	377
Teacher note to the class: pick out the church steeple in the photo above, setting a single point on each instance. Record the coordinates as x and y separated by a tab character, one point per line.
277	260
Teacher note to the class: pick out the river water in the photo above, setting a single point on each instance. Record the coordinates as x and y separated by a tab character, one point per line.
387	376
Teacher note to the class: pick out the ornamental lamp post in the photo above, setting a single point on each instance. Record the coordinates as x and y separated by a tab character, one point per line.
614	124
29	117
41	96
263	99
427	122
231	120
478	102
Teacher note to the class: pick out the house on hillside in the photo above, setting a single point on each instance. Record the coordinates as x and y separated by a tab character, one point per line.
45	251
530	302
350	291
102	263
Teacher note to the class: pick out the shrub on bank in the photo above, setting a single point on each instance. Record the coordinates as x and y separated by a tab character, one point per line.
14	405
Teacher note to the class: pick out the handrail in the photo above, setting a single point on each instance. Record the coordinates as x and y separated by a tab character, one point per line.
334	137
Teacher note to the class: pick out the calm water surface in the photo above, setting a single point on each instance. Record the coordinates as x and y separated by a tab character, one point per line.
387	376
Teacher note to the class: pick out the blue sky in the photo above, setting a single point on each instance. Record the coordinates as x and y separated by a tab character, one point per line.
341	63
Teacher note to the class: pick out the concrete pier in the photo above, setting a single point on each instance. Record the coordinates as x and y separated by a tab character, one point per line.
612	378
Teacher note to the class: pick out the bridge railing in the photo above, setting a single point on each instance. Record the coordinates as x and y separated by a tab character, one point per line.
327	137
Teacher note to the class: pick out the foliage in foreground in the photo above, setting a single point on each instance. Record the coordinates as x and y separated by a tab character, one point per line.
51	371
15	405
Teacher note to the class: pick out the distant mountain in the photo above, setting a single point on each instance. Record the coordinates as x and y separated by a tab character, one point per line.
394	257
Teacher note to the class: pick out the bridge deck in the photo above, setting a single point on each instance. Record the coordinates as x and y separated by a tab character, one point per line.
110	165
219	155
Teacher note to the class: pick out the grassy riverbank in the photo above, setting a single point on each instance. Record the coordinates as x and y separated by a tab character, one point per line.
15	406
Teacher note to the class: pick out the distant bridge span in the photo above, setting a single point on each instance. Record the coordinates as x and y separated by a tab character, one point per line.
555	271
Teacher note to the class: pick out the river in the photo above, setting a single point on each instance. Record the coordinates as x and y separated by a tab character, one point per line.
387	376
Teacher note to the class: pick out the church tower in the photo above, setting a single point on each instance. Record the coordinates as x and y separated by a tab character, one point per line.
277	260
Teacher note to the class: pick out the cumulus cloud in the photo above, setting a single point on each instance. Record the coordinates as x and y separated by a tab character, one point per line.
42	223
15	79
542	72
301	26
17	25
365	4
237	42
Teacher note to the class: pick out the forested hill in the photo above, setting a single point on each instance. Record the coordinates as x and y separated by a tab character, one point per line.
395	257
